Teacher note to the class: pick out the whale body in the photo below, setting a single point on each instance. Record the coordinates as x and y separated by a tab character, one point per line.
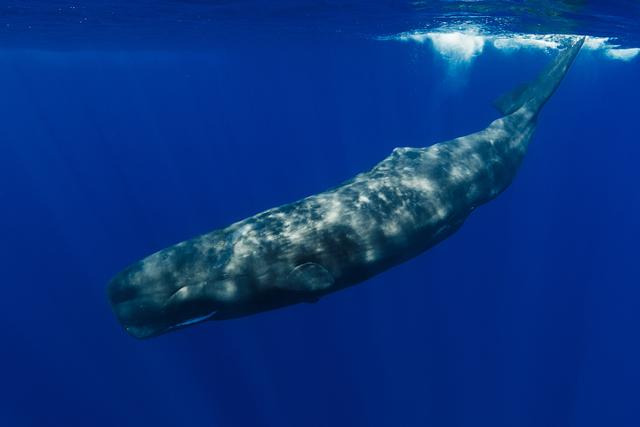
302	251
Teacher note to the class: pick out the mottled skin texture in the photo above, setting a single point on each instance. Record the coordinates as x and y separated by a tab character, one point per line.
298	252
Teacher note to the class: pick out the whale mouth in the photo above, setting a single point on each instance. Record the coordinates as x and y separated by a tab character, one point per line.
147	331
193	321
143	318
153	308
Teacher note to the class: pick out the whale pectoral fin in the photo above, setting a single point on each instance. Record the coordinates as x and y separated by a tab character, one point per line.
309	277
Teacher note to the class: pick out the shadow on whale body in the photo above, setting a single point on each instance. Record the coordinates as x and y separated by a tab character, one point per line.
302	251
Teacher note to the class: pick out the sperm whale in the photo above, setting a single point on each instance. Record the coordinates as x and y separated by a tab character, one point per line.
301	251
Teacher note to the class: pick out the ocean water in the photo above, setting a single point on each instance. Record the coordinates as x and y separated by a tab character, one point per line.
126	128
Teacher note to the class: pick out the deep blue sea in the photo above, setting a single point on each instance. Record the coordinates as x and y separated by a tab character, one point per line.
126	127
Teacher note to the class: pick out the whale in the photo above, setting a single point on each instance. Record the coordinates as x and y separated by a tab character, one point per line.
300	252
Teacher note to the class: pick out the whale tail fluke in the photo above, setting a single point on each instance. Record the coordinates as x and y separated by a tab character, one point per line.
532	96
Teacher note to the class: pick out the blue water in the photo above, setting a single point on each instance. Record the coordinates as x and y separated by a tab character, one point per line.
126	138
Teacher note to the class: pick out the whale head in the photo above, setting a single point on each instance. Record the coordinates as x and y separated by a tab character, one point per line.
178	286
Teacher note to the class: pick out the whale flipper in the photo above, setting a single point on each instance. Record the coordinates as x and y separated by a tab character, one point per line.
309	278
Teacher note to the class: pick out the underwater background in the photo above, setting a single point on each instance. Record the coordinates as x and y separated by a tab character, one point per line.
125	128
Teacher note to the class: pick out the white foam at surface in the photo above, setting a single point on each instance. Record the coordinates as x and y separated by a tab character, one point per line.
595	43
520	41
458	46
462	45
623	54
